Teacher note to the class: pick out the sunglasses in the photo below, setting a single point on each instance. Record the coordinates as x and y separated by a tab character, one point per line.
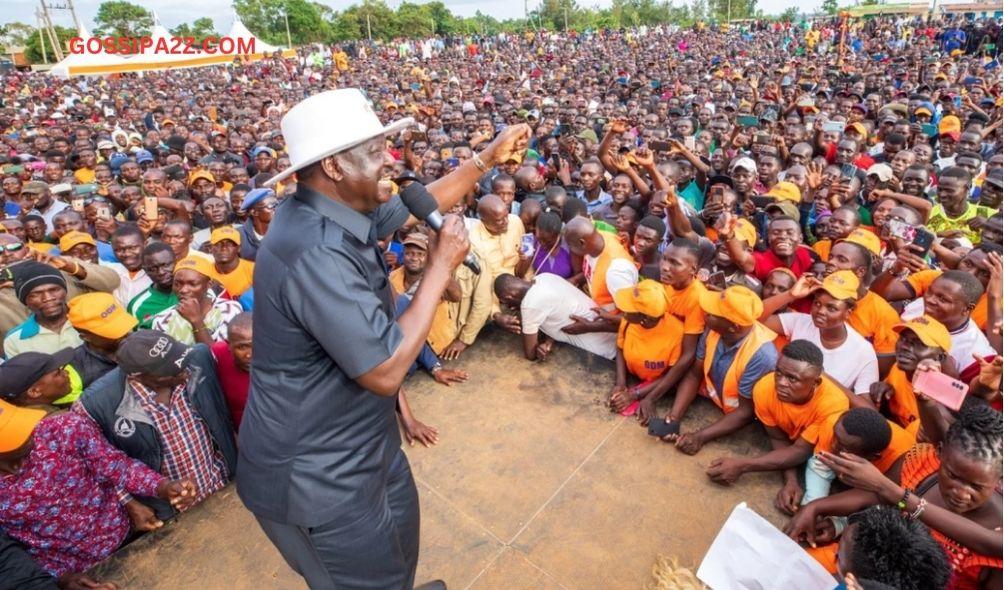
11	247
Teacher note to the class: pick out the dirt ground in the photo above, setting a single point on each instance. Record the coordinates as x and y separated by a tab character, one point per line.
534	485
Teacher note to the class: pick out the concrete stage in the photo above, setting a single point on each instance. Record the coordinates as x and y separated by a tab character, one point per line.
534	485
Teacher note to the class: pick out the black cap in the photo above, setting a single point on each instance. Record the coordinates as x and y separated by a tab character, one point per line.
721	179
21	372
152	353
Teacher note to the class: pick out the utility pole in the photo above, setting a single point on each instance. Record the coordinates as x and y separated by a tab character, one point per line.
565	10
73	13
41	37
289	39
52	32
369	33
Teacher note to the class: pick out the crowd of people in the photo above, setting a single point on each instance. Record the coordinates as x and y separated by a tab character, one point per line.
805	232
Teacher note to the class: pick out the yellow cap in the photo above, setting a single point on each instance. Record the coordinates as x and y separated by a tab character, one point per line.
203	174
198	264
930	331
736	304
16	425
786	191
99	313
647	298
75	238
949	124
868	240
745	231
922	110
225	233
858	128
842	285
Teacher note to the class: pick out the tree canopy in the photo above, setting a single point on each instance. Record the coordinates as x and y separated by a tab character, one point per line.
120	18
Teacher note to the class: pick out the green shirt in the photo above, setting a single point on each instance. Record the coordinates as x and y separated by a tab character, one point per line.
148	304
939	221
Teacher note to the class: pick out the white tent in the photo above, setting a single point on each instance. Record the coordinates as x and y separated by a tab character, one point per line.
87	64
261	48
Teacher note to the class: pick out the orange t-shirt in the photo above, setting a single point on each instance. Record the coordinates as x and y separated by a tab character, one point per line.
806	420
823	247
239	280
901	442
903	403
921	281
685	305
648	352
874	319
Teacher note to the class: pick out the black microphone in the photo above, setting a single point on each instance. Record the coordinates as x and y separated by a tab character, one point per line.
422	205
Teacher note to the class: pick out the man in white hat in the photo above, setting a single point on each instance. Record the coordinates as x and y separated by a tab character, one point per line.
321	465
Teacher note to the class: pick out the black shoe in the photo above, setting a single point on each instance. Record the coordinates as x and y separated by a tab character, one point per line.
433	585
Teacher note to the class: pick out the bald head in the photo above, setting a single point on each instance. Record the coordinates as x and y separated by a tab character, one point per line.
583	238
494	214
241	323
490	204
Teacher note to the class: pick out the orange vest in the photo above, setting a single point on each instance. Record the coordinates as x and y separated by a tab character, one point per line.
598	277
903	402
728	399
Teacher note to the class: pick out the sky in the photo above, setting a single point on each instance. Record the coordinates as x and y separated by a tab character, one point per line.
174	12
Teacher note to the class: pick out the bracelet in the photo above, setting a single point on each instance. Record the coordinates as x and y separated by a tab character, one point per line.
436	369
479	163
920	509
902	502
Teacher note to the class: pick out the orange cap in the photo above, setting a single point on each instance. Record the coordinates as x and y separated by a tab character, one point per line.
842	284
225	233
99	313
16	425
746	232
736	304
75	238
868	240
203	174
198	264
930	331
786	191
647	298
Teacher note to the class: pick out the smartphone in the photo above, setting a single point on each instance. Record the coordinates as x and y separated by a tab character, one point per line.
941	388
923	240
150	208
807	86
104	213
761	201
419	136
805	102
526	247
834	127
689	142
660	146
929	129
895	228
78	204
762	138
658	427
748	121
716	282
848	170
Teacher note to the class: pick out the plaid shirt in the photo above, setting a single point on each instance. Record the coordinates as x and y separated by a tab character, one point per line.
219	315
188	448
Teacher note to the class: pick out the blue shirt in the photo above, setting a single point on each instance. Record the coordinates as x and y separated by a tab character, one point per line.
11	209
761	363
592	206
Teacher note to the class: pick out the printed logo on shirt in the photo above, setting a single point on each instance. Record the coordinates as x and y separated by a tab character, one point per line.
124	427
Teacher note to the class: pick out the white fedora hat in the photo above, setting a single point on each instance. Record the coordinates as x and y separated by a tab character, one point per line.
328	123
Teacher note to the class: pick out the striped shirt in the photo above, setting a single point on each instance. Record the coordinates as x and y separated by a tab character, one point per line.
187	446
219	315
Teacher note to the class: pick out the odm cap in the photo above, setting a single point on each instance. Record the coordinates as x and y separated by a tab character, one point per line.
647	298
842	285
99	313
930	331
736	304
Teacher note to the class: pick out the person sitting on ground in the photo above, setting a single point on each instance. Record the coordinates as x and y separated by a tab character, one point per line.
158	264
649	344
164	406
233	272
59	493
42	289
793	403
849	358
735	351
546	305
200	315
233	365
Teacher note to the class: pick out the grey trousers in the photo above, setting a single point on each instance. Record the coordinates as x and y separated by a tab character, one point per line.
377	550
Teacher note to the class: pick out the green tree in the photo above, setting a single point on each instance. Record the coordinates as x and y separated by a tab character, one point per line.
33	47
15	34
723	10
830	6
120	18
414	20
267	20
790	14
199	29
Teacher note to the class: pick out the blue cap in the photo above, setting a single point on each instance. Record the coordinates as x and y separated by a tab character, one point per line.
254	196
116	160
143	156
260	149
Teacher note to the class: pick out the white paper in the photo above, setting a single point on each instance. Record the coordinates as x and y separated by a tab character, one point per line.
749	553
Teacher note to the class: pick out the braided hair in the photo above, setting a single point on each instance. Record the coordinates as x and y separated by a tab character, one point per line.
978	432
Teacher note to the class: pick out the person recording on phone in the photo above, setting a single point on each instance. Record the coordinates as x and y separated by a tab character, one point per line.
330	394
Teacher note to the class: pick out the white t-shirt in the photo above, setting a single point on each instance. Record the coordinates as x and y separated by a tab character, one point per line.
966	342
853	364
547	306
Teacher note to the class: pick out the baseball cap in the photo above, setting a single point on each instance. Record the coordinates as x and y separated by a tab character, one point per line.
35	187
225	233
203	174
116	160
922	111
787	208
22	371
197	263
417	239
153	353
995	177
75	238
883	171
721	179
866	239
949	124
16	425
745	232
745	164
842	284
99	313
930	331
858	128
737	304
253	196
785	191
105	144
647	298
261	149
143	156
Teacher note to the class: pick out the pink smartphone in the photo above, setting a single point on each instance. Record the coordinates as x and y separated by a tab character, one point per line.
941	388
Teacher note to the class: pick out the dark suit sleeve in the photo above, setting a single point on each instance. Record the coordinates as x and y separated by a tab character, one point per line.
18	571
